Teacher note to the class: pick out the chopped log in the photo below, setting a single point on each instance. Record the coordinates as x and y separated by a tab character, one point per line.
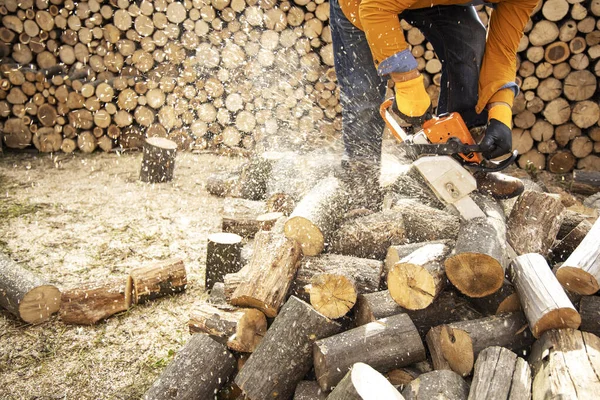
396	253
579	85
47	140
317	215
456	346
88	304
437	384
24	294
241	329
309	390
591	178
160	279
557	111
561	162
211	368
292	342
565	365
332	282
239	216
423	223
158	162
385	344
580	273
584	115
534	222
267	277
545	304
563	248
555	10
223	256
505	300
448	308
255	174
557	52
86	142
476	267
589	309
499	374
369	236
363	382
417	280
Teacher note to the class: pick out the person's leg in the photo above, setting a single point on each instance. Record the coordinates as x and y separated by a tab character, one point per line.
361	89
458	38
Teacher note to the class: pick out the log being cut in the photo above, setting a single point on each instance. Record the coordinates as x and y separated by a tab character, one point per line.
24	294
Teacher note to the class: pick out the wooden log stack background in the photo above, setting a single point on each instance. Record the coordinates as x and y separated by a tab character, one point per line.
228	74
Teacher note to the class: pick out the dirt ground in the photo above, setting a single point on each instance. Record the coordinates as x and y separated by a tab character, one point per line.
79	218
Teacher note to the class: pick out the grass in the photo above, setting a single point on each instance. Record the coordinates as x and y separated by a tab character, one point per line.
9	210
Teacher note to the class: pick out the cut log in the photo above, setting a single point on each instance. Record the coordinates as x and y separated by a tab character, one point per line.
317	215
563	248
255	174
448	308
198	370
385	344
239	216
561	162
241	329
589	309
86	305
223	256
158	163
267	277
534	222
418	279
292	343
565	364
369	236
332	282
500	375
363	382
24	294
580	273
161	279
456	346
309	390
440	384
505	300
476	267
423	223
545	304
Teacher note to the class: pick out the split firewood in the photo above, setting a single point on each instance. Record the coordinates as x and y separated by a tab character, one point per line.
455	346
437	383
363	382
500	374
88	304
241	329
160	279
26	295
293	343
317	215
223	256
416	280
212	367
580	273
266	279
385	344
560	354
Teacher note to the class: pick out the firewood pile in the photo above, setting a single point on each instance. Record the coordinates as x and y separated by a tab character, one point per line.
228	74
330	302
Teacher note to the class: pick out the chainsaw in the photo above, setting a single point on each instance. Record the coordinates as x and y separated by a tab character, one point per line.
446	134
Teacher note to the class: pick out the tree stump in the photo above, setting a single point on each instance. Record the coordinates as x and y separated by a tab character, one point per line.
158	163
223	256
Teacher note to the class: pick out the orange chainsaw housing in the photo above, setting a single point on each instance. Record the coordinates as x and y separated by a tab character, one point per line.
440	129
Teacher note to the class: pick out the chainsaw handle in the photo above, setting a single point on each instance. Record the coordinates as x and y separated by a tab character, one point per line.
493	166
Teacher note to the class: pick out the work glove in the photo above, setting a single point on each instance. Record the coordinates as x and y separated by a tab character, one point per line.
498	136
412	99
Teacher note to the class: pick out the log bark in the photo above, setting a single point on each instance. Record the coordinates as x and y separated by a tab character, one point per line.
589	309
564	365
456	346
285	353
198	370
385	344
369	236
505	300
158	163
241	329
24	294
476	267
363	382
223	256
161	279
580	273
500	375
317	215
440	384
534	222
239	216
563	248
309	390
267	277
88	304
417	280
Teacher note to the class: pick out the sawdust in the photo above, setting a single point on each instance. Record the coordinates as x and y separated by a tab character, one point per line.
79	218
